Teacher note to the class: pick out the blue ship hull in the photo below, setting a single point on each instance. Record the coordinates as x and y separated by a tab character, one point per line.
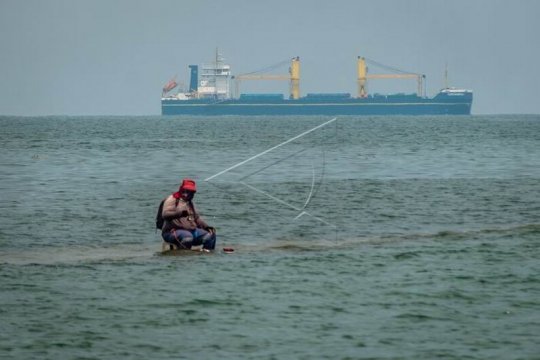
444	103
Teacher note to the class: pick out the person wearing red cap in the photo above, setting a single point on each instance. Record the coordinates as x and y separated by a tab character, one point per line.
183	226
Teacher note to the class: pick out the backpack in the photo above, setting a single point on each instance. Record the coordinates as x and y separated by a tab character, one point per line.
159	215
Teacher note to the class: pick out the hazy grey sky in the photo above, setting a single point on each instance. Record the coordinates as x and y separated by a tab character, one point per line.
78	57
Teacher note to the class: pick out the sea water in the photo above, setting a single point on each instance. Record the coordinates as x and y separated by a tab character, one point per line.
368	237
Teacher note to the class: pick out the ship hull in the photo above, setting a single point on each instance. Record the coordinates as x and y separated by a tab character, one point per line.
442	104
326	109
371	106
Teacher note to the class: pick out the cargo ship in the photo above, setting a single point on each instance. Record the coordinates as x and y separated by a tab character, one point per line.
210	93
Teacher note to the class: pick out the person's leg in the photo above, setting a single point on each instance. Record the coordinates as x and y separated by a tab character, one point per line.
181	238
209	242
207	239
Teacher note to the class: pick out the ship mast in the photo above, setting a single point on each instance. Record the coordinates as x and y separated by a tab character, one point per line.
215	73
446	75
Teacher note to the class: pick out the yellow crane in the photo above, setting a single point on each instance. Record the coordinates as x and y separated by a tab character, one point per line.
293	77
363	76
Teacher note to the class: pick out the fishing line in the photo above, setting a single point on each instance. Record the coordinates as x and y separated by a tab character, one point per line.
286	204
271	149
323	170
315	188
272	164
311	194
312	185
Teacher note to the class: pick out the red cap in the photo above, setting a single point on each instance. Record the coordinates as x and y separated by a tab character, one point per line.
188	184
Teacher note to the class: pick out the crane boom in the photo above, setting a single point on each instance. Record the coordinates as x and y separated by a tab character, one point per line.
392	76
363	76
261	77
293	77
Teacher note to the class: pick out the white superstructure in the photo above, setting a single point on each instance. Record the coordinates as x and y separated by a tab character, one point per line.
214	79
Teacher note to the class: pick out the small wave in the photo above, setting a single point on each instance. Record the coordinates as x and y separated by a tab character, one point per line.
419	317
69	255
521	229
514	230
406	255
301	246
79	254
340	242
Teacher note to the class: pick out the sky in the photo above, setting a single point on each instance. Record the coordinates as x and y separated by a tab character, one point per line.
112	57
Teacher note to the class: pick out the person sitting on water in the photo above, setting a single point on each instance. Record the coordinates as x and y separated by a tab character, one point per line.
183	226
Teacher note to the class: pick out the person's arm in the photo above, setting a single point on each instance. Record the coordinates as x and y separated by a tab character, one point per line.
171	210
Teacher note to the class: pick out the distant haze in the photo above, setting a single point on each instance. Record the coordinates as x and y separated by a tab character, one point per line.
74	57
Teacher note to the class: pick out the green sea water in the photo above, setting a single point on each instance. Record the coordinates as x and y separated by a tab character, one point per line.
367	238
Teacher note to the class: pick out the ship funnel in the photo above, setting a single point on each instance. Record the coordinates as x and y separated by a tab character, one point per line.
194	81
